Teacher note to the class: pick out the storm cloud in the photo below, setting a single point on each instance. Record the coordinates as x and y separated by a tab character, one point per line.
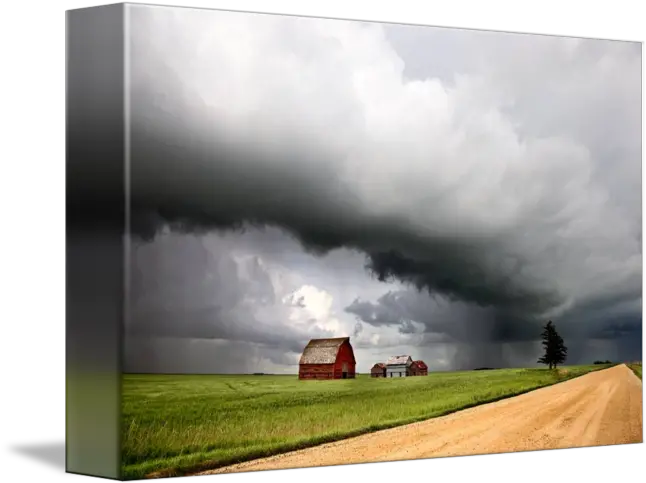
190	291
486	182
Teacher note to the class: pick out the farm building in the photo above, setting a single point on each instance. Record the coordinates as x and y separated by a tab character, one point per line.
327	359
378	370
398	366
418	368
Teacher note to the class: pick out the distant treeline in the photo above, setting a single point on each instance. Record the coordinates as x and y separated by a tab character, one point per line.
602	362
484	369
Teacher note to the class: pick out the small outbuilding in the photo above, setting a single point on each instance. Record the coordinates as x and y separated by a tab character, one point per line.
398	366
418	368
378	370
327	359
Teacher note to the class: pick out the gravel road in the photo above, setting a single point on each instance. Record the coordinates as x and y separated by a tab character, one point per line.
600	408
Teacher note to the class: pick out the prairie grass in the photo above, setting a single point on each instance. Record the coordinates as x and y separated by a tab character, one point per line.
177	424
636	368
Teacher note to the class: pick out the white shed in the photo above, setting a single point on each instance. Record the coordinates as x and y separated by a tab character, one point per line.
398	366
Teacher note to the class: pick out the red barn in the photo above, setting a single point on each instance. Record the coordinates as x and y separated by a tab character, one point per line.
418	368
378	370
327	359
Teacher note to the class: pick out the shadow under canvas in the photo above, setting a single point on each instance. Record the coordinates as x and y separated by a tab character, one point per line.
52	454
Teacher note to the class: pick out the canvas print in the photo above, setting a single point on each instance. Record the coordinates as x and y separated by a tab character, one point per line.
352	242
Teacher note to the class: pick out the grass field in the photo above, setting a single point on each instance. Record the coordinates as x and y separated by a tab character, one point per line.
636	368
179	424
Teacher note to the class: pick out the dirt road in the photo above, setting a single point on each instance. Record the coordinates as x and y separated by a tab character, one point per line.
600	408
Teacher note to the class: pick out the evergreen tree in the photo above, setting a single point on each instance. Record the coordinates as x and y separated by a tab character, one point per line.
555	350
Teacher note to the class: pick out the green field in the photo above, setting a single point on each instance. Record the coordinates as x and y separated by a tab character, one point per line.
636	368
183	423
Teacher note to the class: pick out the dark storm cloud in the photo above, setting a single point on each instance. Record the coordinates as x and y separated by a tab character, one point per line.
188	173
199	356
443	187
187	288
482	334
213	323
458	322
481	337
628	326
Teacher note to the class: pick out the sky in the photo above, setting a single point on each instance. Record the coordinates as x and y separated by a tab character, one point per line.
434	192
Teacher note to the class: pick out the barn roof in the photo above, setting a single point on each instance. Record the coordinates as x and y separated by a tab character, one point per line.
398	360
379	365
420	364
322	351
